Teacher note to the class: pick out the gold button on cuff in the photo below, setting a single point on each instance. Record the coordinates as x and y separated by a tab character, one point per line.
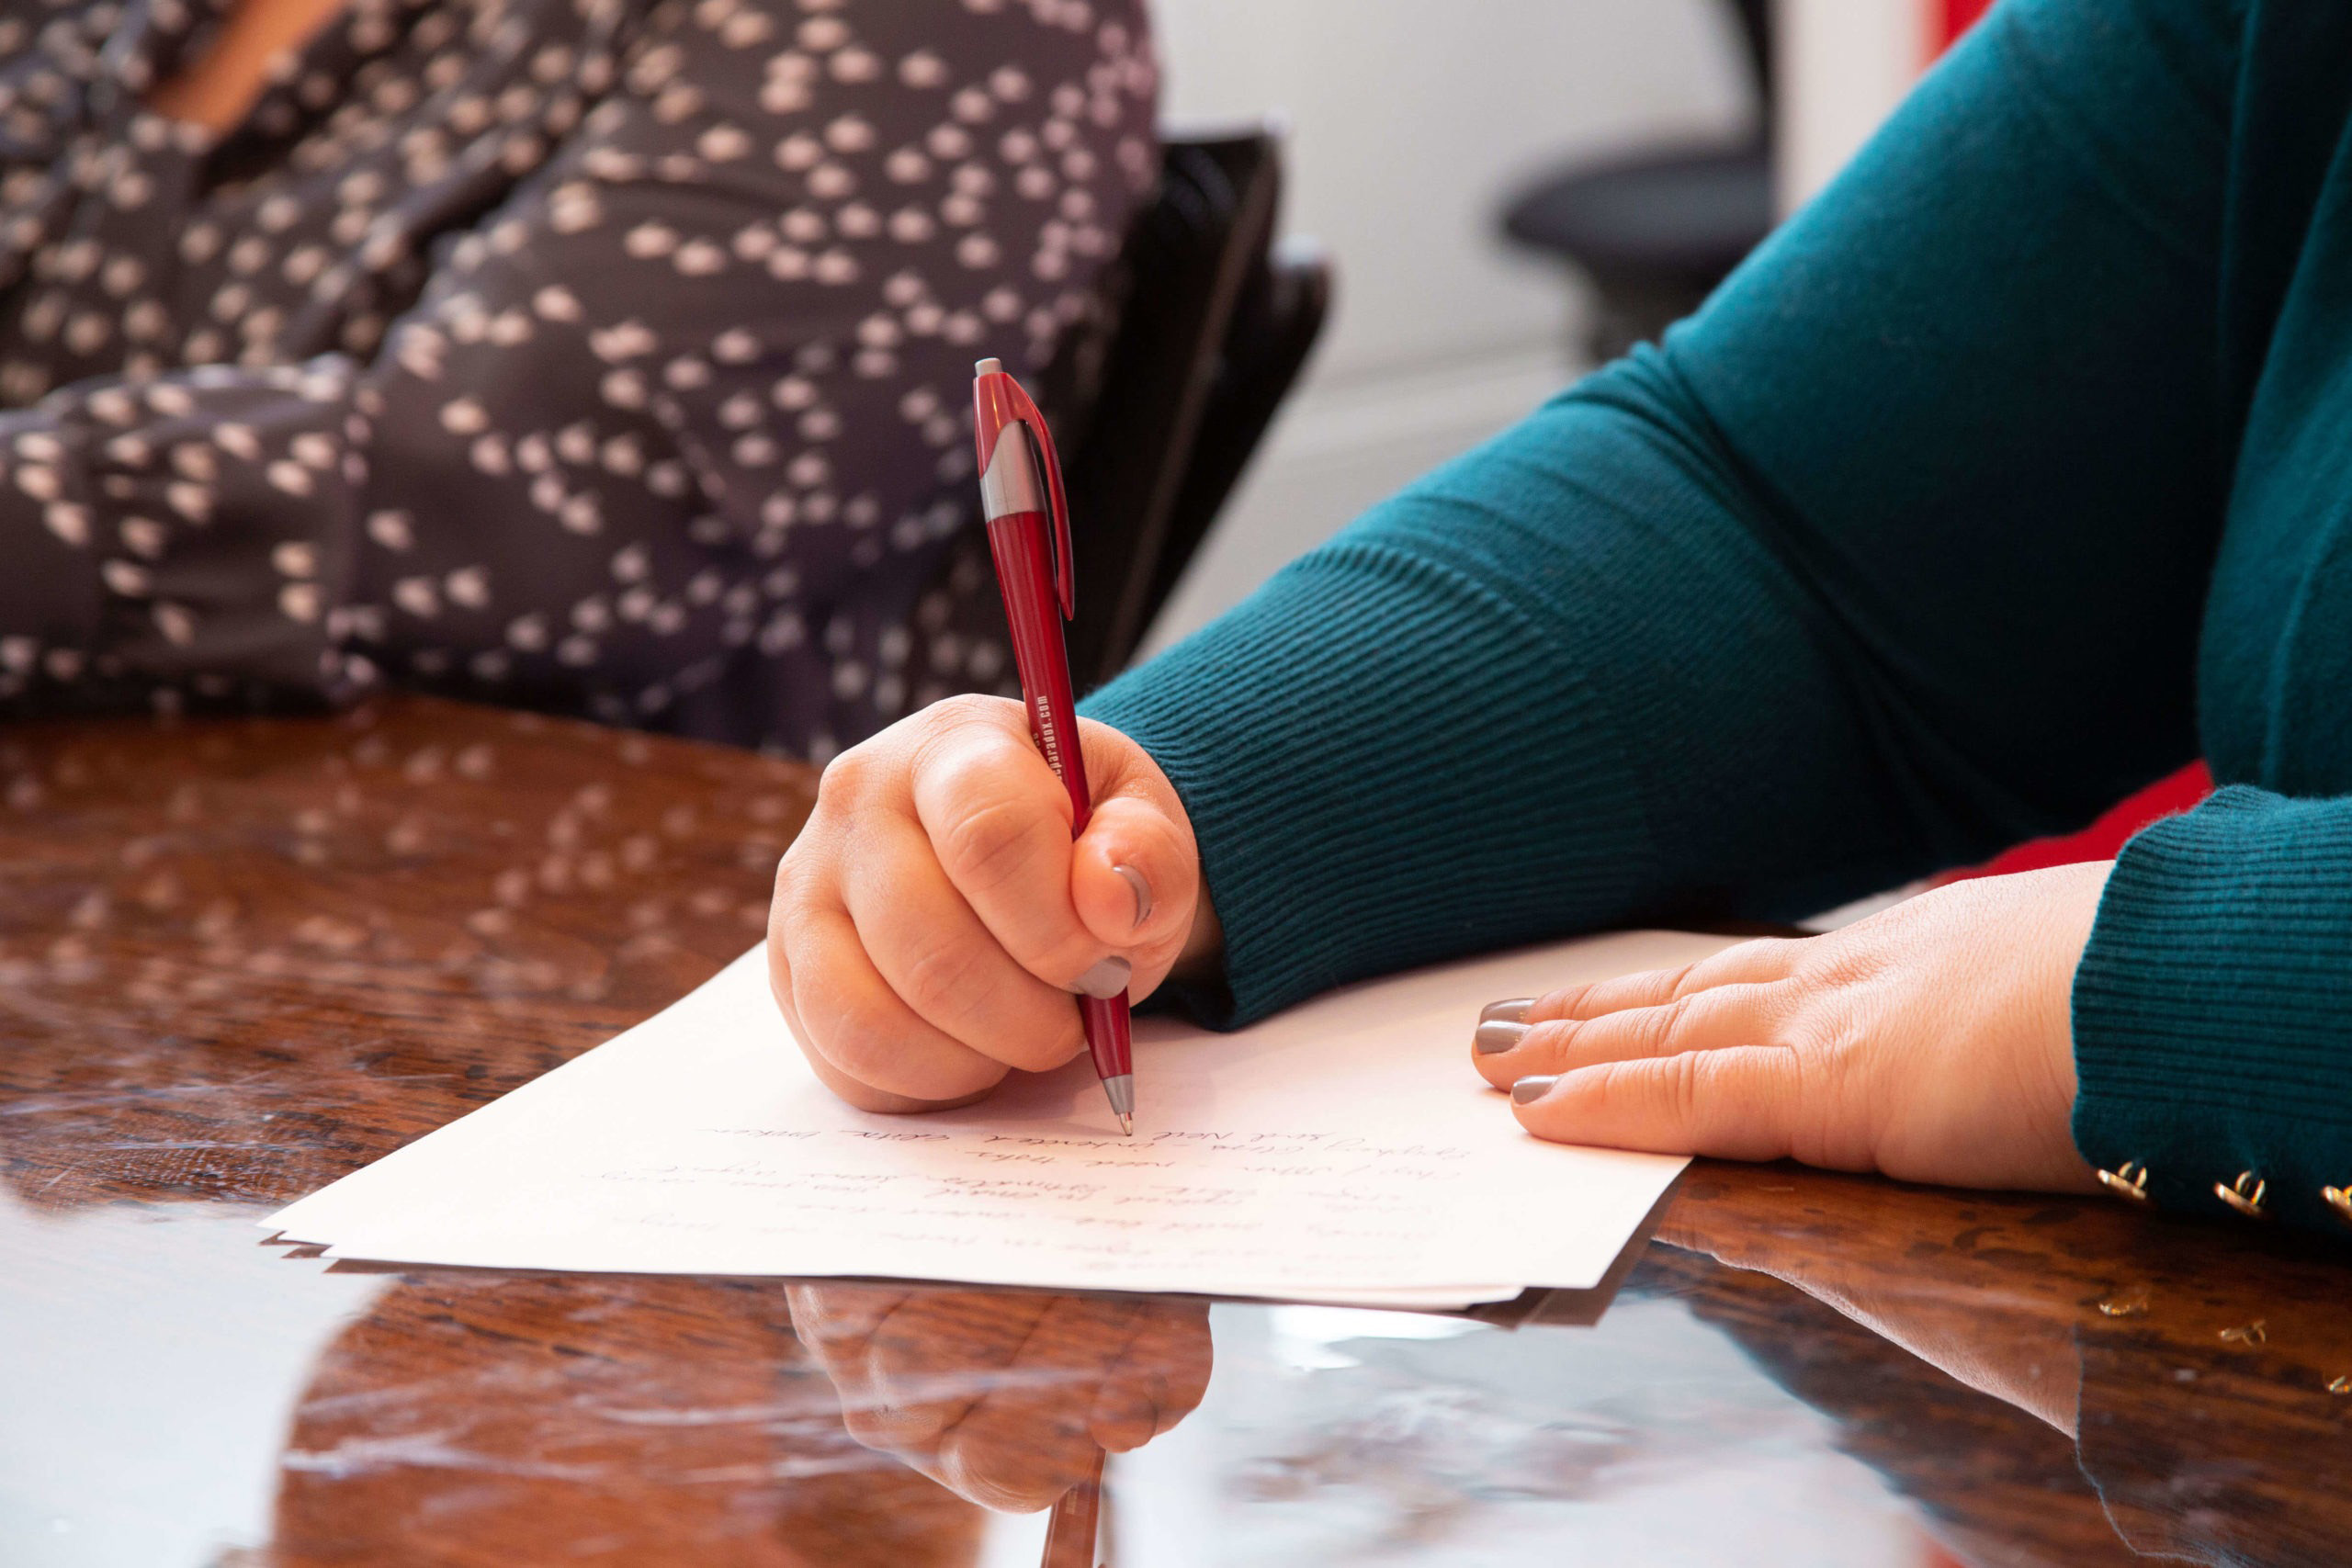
2244	1194
2130	1180
2339	1199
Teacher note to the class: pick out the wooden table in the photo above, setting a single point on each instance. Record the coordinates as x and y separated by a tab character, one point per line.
239	959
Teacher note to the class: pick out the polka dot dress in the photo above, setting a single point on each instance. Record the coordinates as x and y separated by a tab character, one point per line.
600	357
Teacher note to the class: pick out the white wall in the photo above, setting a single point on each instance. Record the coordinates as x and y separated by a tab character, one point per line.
1843	66
1410	122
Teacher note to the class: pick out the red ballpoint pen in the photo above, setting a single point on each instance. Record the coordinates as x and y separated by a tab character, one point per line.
1029	536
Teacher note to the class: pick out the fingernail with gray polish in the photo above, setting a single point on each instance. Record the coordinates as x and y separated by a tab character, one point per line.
1139	887
1105	980
1514	1010
1498	1034
1529	1089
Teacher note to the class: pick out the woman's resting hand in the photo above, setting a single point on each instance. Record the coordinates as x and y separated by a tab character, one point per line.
935	919
1932	1042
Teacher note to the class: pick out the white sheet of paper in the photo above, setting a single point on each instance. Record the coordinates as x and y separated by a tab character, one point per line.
1343	1150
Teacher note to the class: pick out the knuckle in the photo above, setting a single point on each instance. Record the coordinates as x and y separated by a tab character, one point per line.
848	776
869	1429
1717	1013
947	979
1654	1030
1820	1127
1807	1076
942	736
1563	1003
780	970
964	708
1554	1038
1598	1095
1728	967
988	844
1831	964
1837	1041
1685	1087
1794	1017
1764	952
1686	981
860	1038
791	867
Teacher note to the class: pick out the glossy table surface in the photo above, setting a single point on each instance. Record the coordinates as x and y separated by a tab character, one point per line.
239	959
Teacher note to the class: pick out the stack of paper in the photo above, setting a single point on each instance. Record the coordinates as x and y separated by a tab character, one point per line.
1344	1151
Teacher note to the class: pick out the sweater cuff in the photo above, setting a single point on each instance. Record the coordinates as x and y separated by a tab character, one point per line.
2212	1009
1305	733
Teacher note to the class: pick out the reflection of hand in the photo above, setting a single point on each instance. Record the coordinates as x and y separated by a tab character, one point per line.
2009	1338
472	1419
1006	1397
1932	1042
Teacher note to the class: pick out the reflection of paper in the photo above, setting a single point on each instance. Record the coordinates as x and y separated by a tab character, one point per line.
1344	1150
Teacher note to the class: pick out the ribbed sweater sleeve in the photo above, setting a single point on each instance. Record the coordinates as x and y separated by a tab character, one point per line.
2214	1004
1818	596
1330	853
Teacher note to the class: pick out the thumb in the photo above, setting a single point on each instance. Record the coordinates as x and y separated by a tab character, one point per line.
1135	872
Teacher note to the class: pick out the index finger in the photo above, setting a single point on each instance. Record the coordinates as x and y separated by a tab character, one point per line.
999	821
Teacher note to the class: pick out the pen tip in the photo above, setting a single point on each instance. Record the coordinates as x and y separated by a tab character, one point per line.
1120	1090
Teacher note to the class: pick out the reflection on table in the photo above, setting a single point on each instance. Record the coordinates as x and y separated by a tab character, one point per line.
238	960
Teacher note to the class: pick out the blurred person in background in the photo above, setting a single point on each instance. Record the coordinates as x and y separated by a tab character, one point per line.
600	356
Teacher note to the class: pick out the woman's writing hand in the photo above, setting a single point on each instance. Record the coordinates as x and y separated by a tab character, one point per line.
935	919
1932	1042
1005	1398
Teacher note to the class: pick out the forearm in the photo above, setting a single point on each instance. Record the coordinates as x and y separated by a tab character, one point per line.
1893	556
1518	701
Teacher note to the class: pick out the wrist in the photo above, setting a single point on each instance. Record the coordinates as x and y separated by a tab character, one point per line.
1202	958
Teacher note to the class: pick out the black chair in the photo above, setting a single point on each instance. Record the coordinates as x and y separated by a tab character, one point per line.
1655	231
1161	395
1206	323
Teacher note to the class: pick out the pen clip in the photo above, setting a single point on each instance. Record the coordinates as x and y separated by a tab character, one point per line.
998	400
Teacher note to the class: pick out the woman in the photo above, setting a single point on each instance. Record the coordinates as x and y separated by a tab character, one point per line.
2007	476
600	355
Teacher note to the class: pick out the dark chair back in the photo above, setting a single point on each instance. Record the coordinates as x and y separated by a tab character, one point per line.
1755	20
1655	230
1207	324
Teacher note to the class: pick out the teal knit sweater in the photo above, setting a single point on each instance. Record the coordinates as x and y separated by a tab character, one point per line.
2013	473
